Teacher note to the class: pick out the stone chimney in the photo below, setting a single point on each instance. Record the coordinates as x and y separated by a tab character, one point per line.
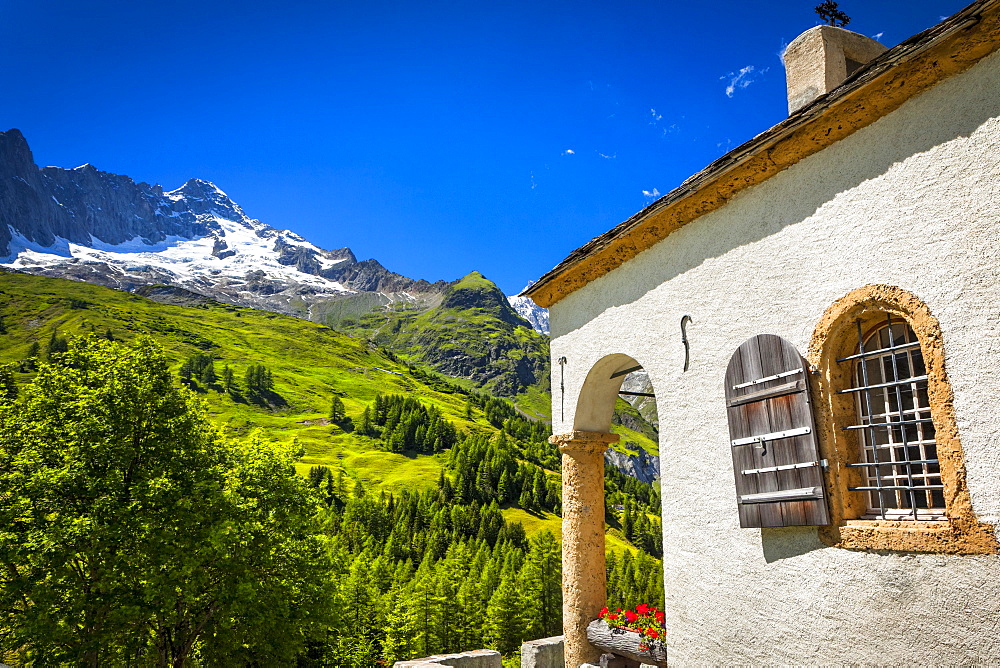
821	58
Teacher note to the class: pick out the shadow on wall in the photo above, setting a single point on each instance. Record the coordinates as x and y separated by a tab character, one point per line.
786	542
868	154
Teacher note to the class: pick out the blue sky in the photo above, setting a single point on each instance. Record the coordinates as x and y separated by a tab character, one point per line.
436	137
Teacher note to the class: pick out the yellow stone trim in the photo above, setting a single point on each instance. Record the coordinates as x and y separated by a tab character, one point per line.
577	441
900	74
835	336
584	586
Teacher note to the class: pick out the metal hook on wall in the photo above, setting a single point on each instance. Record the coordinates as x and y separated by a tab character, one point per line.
684	339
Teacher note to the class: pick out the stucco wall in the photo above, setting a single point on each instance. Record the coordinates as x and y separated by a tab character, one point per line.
912	201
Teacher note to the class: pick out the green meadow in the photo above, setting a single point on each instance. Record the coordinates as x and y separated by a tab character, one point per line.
310	364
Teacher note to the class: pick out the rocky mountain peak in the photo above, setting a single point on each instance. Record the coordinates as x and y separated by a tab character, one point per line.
15	156
198	189
105	228
204	197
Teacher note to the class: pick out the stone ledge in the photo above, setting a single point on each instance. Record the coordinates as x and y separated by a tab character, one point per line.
478	658
542	653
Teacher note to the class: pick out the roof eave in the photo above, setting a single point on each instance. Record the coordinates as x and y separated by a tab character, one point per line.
879	88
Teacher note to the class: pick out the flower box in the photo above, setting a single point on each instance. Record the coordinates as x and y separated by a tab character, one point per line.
625	643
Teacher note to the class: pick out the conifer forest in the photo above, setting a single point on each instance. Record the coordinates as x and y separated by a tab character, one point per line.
145	522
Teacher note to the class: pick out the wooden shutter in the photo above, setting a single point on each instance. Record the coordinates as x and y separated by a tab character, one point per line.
779	475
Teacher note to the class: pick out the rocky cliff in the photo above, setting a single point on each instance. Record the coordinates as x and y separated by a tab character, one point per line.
642	466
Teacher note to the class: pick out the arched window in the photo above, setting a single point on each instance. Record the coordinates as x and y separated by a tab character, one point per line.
886	425
896	435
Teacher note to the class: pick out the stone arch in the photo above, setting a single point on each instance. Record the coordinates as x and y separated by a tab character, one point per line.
595	405
584	582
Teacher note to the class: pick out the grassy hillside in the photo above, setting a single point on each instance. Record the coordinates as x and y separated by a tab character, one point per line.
473	334
309	363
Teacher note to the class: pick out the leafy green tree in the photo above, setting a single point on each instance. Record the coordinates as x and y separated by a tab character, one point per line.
8	388
134	534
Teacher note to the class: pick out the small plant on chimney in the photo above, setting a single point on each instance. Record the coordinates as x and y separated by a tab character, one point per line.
828	11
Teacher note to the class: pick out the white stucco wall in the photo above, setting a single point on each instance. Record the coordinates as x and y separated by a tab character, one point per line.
912	201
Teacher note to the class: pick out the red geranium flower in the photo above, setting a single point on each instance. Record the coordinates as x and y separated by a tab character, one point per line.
660	617
642	609
631	616
613	618
604	611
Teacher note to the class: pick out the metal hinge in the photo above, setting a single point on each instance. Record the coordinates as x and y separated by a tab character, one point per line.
773	436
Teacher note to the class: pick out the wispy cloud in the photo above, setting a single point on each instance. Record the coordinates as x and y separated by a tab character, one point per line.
606	156
569	151
656	116
651	194
533	184
878	36
742	79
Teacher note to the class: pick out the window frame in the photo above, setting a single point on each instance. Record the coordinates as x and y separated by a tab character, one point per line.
836	337
887	366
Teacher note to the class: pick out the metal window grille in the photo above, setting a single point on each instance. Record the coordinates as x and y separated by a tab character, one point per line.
898	450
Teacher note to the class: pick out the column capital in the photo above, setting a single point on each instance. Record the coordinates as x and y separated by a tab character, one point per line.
583	441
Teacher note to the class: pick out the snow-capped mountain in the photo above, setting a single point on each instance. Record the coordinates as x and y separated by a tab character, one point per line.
105	228
530	311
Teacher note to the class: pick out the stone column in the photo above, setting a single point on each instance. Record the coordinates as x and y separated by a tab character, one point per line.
584	585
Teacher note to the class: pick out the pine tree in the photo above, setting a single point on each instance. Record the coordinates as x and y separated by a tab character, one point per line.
505	488
258	381
207	376
628	521
365	427
337	410
228	380
540	491
30	362
57	345
504	627
525	501
829	12
542	585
